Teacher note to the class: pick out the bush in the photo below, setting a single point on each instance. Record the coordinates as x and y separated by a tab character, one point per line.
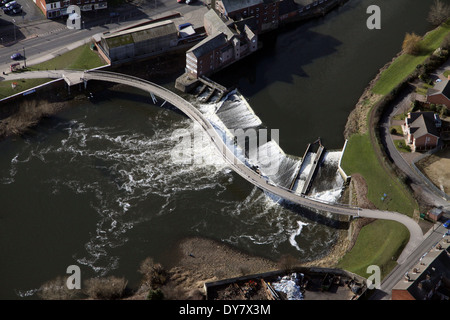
411	44
57	290
154	273
106	288
439	13
155	294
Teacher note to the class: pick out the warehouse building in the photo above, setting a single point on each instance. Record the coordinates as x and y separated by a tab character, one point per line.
140	42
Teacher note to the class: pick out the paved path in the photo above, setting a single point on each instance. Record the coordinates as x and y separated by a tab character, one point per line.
416	235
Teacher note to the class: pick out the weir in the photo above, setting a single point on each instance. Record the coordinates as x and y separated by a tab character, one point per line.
313	170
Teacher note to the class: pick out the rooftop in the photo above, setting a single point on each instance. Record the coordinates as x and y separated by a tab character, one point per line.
422	123
138	34
440	87
430	275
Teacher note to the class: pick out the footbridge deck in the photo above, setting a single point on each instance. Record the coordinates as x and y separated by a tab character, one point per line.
416	235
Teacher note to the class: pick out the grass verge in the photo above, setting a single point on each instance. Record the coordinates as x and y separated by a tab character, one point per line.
7	90
379	243
81	58
359	157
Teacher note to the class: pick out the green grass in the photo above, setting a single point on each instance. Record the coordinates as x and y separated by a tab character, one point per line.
22	85
359	157
80	58
406	63
380	244
401	146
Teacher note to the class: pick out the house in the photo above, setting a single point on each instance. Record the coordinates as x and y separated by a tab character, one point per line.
429	279
139	42
421	131
58	8
225	44
440	93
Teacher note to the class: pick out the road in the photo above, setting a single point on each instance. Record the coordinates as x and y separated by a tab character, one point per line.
42	39
421	186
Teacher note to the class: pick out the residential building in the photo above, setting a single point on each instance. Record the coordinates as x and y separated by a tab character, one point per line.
440	94
421	131
139	42
265	12
58	8
429	279
225	44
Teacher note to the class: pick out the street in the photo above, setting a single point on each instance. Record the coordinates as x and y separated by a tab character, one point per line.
42	39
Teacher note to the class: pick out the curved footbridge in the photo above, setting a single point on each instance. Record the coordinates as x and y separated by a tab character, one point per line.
75	77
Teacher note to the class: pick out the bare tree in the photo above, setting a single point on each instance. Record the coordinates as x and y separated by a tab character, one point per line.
439	13
411	44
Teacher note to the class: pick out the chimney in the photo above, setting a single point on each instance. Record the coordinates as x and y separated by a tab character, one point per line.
213	4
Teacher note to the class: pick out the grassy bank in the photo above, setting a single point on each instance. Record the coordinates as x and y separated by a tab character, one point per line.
379	243
7	90
384	192
405	64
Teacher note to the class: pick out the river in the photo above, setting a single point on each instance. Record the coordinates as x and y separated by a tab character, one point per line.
96	186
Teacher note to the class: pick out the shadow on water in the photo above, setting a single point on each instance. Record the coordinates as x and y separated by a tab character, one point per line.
271	59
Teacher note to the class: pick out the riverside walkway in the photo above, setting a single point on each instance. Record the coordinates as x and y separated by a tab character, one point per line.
74	77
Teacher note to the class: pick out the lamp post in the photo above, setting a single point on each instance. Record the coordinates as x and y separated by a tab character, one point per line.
14	24
24	58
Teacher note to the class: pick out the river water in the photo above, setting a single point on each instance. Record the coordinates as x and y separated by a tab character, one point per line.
96	185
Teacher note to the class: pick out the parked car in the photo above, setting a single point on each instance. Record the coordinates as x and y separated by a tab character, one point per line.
8	5
447	224
16	56
14	9
4	2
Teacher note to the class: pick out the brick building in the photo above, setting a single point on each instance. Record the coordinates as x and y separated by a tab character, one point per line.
421	131
224	45
265	12
440	94
429	279
58	8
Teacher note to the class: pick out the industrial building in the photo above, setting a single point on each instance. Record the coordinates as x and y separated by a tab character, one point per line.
58	8
139	42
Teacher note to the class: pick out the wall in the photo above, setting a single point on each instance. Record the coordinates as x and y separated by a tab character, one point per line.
439	99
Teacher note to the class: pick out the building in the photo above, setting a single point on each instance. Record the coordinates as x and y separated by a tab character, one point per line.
58	8
440	94
224	45
429	279
421	130
139	42
265	12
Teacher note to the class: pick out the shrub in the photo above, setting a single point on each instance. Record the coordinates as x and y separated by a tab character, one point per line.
57	290
411	44
154	273
155	294
439	13
106	288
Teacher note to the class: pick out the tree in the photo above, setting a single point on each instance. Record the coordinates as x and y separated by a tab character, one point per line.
411	44
439	13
